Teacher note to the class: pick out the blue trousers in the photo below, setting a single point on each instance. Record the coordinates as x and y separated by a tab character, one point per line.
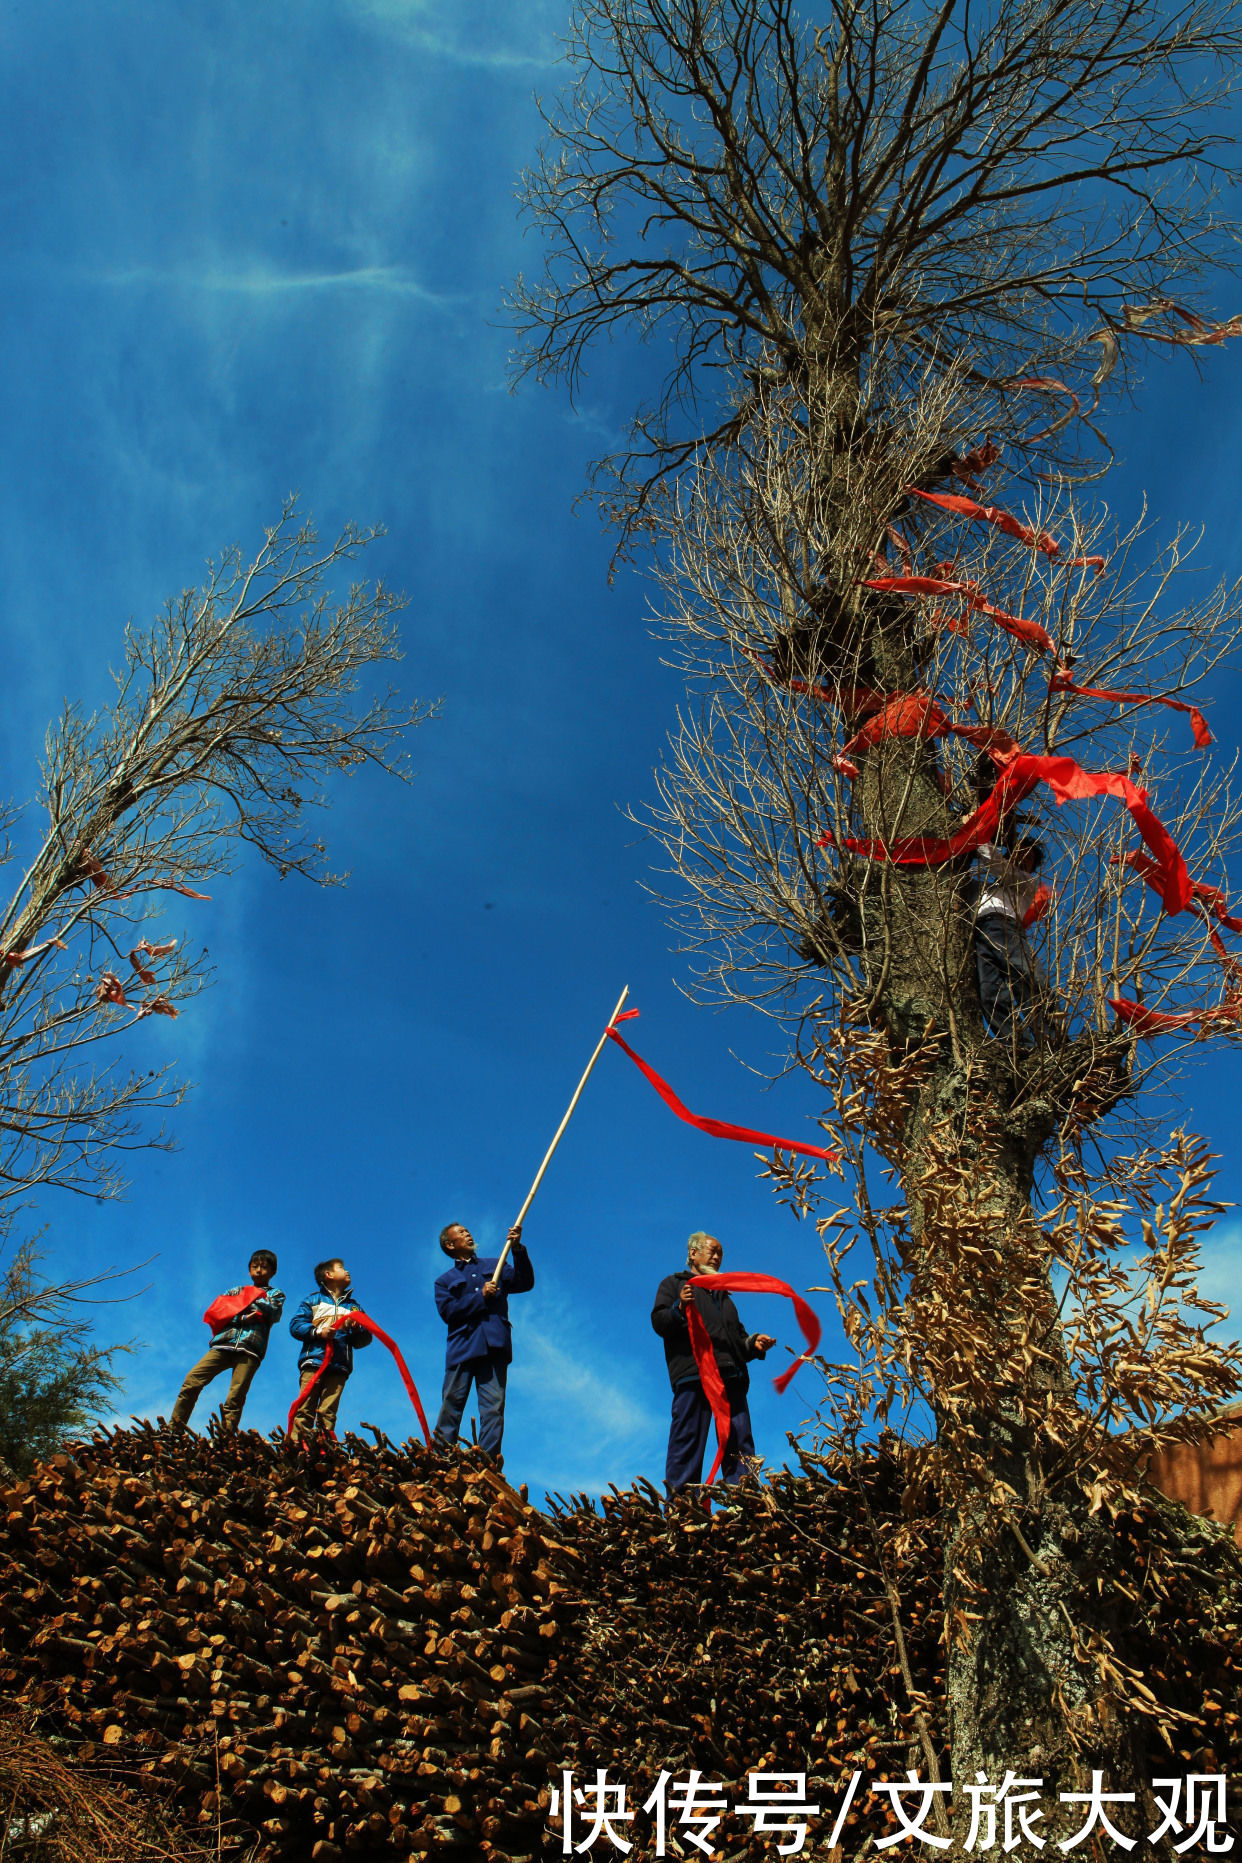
487	1374
688	1431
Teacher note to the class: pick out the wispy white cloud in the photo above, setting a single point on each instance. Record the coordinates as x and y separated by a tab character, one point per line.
578	1415
1221	1276
427	27
266	281
602	1406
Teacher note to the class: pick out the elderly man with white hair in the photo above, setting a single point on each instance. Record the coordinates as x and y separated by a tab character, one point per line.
734	1348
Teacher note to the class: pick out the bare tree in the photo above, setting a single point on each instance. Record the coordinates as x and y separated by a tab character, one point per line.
229	713
892	255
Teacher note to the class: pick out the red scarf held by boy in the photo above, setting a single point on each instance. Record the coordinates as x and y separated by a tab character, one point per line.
376	1332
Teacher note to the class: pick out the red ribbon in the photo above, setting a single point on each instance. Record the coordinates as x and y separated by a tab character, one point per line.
1155	876
1061	682
705	1357
228	1306
1155	1021
715	1128
1029	631
377	1332
992	514
1207	899
917	715
1068	782
1038	906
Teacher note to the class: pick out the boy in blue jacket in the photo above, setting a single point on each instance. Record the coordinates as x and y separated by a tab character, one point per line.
312	1324
480	1339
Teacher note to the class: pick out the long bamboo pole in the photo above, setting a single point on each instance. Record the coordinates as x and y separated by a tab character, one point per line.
547	1156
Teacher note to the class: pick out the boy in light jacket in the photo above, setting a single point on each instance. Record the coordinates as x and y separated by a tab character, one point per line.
312	1324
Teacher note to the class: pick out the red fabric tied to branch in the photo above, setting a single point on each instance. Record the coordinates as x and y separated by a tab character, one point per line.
1038	906
1211	896
1061	682
913	715
1004	520
715	1128
978	461
705	1357
988	514
1068	782
858	700
1147	1021
227	1307
377	1332
1029	631
916	715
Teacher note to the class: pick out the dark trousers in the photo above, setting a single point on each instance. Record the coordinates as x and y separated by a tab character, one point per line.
488	1375
687	1435
1006	985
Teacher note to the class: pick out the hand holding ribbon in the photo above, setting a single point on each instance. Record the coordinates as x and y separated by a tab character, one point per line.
377	1332
705	1357
224	1310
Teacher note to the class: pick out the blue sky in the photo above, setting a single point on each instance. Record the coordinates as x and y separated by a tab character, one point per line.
259	247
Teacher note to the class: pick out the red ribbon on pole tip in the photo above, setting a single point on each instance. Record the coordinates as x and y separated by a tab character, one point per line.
228	1306
715	1128
377	1332
1068	782
705	1356
1062	682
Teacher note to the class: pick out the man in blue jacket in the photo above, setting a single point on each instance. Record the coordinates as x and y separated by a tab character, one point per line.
312	1324
480	1347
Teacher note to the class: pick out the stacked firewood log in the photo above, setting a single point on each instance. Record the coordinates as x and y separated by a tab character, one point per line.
376	1653
802	1632
341	1653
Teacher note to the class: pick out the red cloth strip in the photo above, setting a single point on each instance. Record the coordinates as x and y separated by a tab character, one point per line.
916	715
228	1306
1154	874
715	1128
912	715
978	461
988	514
858	700
1156	1021
1068	782
1038	906
705	1358
1050	385
300	1399
1003	520
1029	631
713	1385
411	1389
377	1332
1061	682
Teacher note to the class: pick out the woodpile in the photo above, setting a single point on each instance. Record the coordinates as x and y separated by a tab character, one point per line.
58	1810
767	1641
1206	1477
341	1653
370	1653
